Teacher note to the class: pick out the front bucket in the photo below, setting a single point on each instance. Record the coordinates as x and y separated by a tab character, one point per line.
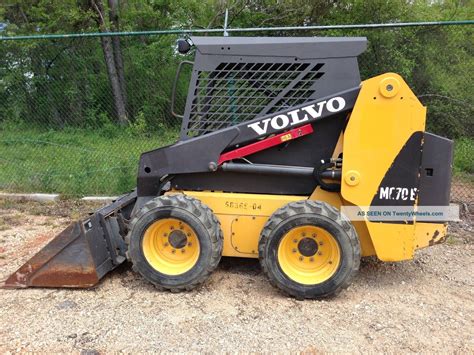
81	254
65	262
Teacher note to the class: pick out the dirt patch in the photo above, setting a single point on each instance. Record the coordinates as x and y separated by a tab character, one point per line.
63	208
423	305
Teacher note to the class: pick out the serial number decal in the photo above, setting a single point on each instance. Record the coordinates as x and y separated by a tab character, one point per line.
286	137
243	205
398	193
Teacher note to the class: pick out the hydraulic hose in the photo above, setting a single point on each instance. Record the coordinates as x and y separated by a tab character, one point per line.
319	171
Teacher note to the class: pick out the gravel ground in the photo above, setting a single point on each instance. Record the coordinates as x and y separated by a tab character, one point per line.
424	305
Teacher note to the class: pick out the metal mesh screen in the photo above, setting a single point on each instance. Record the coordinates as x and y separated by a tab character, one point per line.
236	92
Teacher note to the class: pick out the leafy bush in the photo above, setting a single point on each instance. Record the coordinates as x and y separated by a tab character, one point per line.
464	156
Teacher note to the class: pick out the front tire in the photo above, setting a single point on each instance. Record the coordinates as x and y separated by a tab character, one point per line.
309	250
175	242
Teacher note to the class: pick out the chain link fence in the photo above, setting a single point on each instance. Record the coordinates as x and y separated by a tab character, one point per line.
67	127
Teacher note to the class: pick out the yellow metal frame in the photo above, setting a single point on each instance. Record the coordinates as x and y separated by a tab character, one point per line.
384	117
242	217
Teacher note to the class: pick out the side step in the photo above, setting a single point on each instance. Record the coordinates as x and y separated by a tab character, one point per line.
81	254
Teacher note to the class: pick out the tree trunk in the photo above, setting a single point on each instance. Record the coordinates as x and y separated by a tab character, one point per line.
114	21
107	48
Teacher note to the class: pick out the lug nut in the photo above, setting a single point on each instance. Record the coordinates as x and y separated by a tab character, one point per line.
166	244
173	251
190	244
301	258
320	243
294	250
183	250
303	234
311	259
295	240
188	234
172	227
313	235
320	253
165	234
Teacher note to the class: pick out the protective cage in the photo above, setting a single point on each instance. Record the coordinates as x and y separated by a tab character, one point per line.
238	79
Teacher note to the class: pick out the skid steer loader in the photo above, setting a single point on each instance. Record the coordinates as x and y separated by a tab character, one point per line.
277	135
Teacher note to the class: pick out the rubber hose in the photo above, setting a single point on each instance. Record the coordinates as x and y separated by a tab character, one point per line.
331	187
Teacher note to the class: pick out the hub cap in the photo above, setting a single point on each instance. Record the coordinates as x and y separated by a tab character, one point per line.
171	246
178	239
309	255
307	246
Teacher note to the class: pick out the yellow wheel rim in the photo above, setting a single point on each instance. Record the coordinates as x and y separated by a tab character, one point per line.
309	255
171	246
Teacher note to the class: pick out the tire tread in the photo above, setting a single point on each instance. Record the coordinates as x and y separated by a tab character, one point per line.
205	215
309	207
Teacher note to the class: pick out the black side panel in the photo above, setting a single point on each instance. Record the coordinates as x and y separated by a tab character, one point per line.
436	164
246	183
183	157
304	151
399	187
200	154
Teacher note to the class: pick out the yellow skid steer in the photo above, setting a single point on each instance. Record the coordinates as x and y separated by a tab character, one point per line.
284	155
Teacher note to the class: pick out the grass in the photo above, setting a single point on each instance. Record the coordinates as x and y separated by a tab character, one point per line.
463	156
77	162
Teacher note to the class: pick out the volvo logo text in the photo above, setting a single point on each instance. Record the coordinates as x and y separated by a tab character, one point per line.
295	117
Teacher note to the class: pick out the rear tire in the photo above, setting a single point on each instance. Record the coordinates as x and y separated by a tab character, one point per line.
308	249
175	242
